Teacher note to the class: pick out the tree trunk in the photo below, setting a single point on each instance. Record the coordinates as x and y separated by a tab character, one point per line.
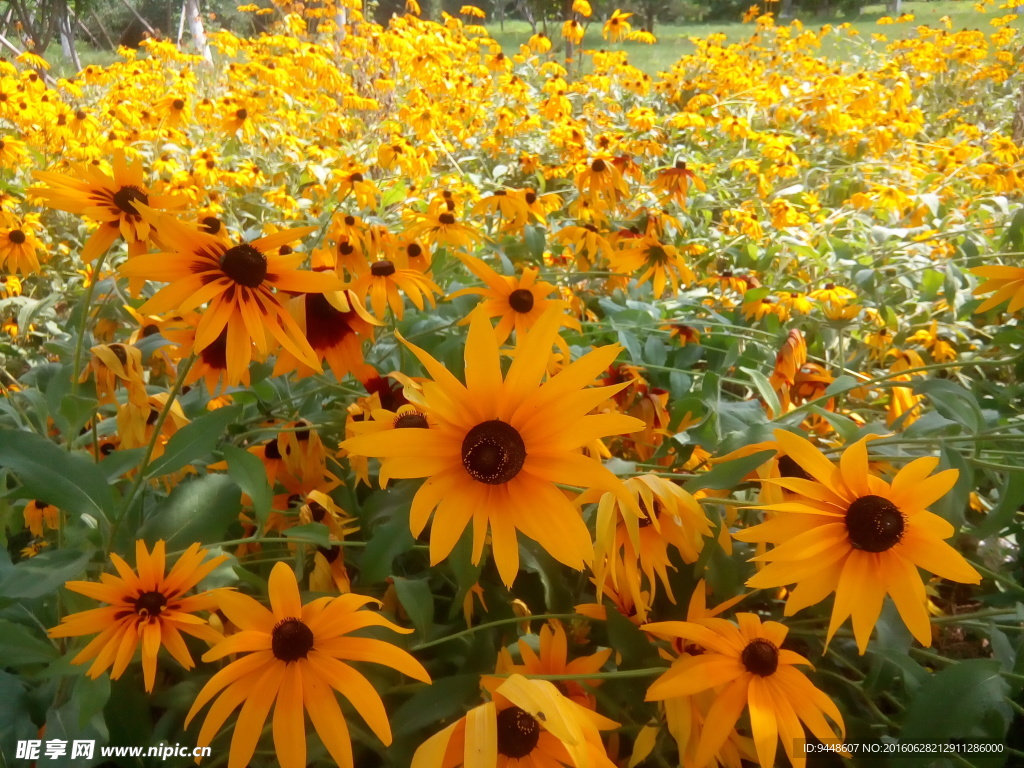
340	20
650	12
67	34
195	23
895	7
567	13
106	35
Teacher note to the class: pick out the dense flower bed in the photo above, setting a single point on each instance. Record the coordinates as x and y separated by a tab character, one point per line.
672	419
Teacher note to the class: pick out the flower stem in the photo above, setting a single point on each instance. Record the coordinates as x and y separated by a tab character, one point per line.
488	625
80	341
140	477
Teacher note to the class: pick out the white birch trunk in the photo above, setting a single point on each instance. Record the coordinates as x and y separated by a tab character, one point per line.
195	23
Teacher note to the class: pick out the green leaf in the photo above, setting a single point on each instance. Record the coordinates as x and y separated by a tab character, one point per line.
48	473
952	401
764	389
843	384
627	639
317	534
965	700
250	474
199	509
388	542
23	646
194	441
953	505
435	703
42	574
1011	498
535	240
15	716
418	601
728	475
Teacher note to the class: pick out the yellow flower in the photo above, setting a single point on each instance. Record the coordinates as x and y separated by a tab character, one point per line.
501	445
293	659
146	607
855	534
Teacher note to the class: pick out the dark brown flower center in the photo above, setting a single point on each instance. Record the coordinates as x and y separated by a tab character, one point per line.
531	198
242	114
382	268
16	236
317	511
493	452
126	196
518	732
273	450
411	420
874	524
647	519
178	104
150	330
330	553
245	265
760	657
599	166
680	165
521	300
355	178
291	640
789	468
446	218
150	603
413	250
120	353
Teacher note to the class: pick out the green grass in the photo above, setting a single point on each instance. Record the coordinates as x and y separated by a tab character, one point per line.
673	39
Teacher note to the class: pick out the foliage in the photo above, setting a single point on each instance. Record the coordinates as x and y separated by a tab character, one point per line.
689	272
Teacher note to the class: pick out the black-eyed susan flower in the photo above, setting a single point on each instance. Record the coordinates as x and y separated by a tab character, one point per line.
386	281
552	658
748	669
518	301
501	445
19	243
656	262
850	532
674	182
335	325
236	283
293	657
617	27
671	519
39	513
527	723
109	200
1004	283
146	607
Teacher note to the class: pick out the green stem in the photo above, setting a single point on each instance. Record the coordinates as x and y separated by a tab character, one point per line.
80	341
1012	585
157	427
619	673
489	625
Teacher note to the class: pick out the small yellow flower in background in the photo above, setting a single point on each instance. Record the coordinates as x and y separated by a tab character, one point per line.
582	7
472	10
617	27
147	606
292	657
39	513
